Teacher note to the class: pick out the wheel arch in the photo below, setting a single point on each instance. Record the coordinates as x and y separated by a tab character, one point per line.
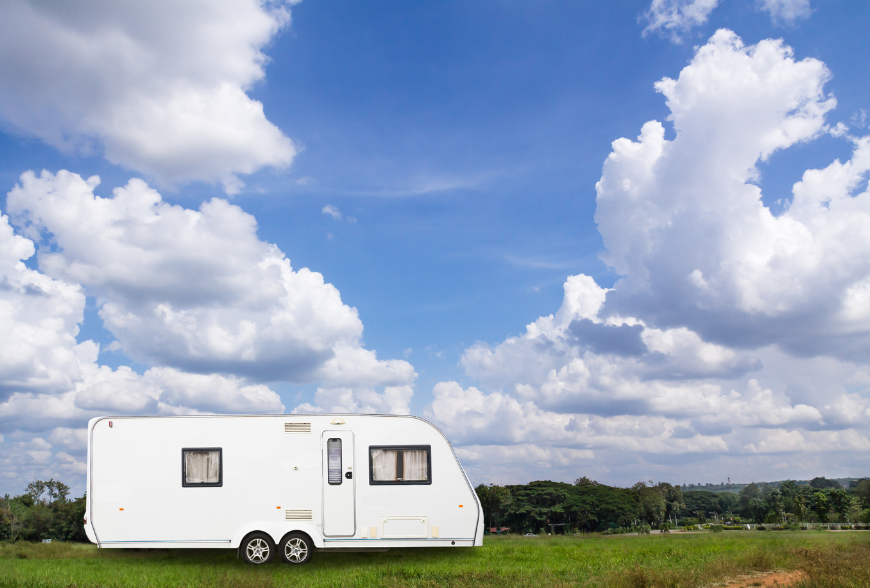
288	533
276	531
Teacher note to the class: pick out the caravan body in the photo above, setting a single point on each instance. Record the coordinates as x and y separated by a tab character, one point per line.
341	481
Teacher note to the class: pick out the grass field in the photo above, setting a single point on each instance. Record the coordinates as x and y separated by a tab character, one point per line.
828	559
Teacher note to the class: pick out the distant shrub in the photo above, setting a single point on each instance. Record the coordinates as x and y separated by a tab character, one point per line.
716	528
616	531
643	529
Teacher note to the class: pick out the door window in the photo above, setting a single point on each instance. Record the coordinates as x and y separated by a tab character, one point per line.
333	457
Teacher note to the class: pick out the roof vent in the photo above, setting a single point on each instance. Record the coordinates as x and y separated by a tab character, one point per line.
297	427
297	515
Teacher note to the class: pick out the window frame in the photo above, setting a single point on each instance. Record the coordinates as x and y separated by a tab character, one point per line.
218	484
427	482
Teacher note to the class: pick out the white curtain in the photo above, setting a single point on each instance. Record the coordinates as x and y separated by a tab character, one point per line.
202	467
416	465
384	465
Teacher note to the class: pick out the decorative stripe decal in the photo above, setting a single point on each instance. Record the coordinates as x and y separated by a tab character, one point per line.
179	541
409	539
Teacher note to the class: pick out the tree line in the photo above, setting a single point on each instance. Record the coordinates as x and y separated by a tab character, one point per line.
588	506
44	511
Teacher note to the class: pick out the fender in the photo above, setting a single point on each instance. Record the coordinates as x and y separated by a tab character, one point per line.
276	530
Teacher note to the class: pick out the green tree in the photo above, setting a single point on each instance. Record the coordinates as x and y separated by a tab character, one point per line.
673	495
750	492
12	515
840	502
821	505
67	522
44	511
800	507
775	504
493	500
727	503
854	514
822	483
862	490
57	491
35	490
757	509
789	491
651	504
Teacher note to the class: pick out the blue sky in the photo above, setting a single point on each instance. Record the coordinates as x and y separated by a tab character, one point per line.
458	149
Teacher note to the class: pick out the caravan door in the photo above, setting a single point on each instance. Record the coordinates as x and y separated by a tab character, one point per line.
339	481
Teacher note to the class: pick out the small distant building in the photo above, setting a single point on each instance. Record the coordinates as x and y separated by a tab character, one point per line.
498	530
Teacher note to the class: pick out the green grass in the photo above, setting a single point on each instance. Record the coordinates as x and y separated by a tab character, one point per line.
831	560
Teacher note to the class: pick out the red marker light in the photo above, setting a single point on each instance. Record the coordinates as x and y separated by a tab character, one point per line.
110	424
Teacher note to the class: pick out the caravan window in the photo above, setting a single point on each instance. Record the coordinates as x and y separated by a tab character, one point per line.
405	464
201	467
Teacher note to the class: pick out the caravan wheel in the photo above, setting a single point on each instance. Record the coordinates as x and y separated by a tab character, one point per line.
258	549
296	548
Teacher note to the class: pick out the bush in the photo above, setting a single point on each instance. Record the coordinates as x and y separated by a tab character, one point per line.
643	529
761	528
716	528
617	531
665	527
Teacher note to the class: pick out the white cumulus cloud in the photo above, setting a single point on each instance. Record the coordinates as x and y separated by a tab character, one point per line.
39	320
159	86
732	332
196	289
785	11
675	18
703	251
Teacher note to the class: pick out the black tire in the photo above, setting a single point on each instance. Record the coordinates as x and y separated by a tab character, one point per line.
296	549
258	549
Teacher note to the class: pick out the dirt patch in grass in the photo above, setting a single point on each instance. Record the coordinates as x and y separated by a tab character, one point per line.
770	580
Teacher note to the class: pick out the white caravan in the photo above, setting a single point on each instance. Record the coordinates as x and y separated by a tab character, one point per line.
286	484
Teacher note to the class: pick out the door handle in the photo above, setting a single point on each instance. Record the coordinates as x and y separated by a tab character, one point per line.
349	475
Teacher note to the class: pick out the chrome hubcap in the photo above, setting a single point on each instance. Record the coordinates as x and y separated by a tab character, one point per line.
258	550
295	550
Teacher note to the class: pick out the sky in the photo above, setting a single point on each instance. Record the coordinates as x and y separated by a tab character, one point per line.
628	241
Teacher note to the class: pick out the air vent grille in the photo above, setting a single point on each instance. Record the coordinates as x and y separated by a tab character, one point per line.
297	427
298	515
